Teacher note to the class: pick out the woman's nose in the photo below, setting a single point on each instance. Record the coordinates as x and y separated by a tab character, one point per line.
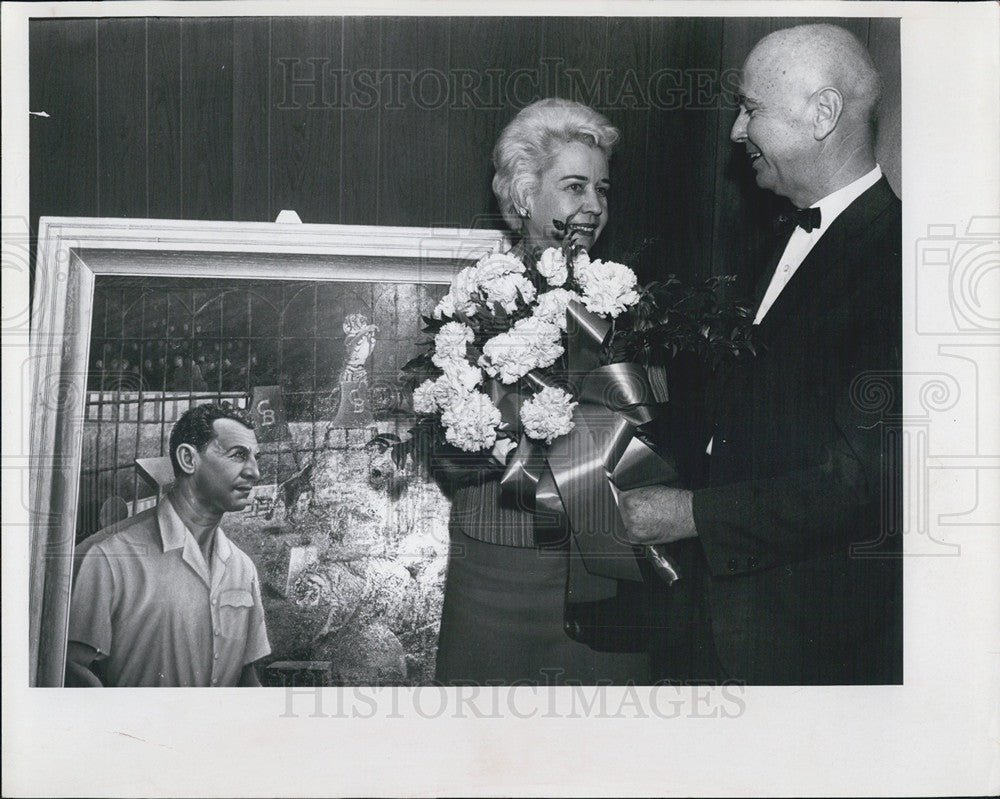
592	203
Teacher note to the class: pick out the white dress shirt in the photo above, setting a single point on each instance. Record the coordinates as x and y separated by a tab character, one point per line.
801	242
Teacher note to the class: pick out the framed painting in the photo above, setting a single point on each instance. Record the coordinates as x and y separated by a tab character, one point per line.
306	326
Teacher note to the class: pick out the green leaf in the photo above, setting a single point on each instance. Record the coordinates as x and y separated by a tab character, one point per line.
419	362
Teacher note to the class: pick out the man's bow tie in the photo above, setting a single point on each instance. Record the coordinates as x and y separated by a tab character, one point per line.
806	218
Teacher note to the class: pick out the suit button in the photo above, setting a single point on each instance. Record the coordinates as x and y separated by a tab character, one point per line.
753	563
732	564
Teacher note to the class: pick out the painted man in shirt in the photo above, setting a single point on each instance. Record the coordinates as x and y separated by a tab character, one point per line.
165	598
791	547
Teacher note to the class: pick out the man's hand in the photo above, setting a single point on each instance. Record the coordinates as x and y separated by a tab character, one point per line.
657	514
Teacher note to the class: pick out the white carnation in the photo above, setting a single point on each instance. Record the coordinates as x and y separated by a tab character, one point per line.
581	263
608	288
552	266
548	415
531	344
459	296
460	378
500	279
471	423
507	357
450	343
424	400
505	289
552	306
446	307
543	337
497	264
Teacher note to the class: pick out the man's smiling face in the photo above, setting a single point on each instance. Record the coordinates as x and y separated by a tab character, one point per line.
774	126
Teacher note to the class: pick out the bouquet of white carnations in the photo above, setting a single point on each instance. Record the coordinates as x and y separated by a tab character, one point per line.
498	369
503	321
552	352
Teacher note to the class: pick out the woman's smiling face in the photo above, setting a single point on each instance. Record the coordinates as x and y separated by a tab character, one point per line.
575	185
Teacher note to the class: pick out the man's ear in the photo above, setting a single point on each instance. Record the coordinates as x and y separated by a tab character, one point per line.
829	105
187	458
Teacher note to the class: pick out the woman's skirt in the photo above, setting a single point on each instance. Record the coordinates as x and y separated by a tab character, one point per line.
502	622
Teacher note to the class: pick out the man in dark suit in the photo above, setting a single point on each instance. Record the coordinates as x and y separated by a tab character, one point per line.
792	543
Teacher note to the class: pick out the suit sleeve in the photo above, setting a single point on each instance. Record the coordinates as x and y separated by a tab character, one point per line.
839	501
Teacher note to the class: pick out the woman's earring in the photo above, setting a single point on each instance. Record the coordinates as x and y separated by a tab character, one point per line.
523	213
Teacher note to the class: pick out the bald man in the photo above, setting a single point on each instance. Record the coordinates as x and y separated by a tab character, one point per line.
791	542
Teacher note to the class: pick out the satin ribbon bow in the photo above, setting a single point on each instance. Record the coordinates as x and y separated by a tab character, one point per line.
575	481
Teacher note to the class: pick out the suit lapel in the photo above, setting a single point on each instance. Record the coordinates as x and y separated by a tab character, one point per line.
823	271
825	265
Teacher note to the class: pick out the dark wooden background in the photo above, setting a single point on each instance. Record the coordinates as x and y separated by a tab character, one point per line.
193	118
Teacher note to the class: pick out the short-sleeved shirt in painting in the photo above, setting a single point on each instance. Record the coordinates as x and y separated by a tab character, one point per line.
158	614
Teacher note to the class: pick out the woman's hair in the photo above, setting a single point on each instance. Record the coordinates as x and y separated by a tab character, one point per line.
531	141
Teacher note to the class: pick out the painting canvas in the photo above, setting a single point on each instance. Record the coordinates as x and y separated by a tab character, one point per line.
306	327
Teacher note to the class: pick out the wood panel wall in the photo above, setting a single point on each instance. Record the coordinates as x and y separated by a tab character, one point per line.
391	121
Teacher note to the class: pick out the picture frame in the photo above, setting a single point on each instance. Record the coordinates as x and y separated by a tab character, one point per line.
75	253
